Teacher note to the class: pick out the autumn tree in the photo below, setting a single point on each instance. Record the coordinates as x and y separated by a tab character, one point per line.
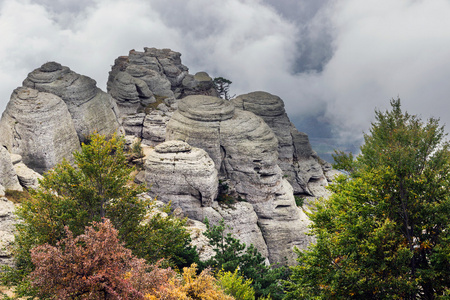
94	265
385	231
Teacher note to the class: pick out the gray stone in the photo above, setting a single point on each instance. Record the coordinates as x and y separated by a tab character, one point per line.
7	230
245	151
154	127
8	177
299	163
91	109
38	126
27	177
188	178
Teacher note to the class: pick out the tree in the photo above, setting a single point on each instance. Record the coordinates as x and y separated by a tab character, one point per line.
94	265
97	185
384	233
223	87
231	254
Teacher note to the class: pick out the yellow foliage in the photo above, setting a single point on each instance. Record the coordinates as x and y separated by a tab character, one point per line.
190	286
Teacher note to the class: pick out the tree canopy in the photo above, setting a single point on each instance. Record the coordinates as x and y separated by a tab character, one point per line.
98	185
385	231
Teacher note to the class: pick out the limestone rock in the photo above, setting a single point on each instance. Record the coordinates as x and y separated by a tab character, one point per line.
245	151
91	109
27	177
298	161
38	126
199	240
2	191
154	127
7	228
8	177
185	176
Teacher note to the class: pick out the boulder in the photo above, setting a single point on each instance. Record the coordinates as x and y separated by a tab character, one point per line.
91	109
185	175
27	177
39	127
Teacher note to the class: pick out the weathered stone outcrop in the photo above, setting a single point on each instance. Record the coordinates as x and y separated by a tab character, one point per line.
245	152
7	227
8	177
182	174
38	126
146	86
90	108
300	164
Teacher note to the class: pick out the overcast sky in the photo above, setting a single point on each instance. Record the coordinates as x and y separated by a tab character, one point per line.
335	59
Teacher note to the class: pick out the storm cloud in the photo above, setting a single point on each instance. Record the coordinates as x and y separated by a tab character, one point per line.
332	62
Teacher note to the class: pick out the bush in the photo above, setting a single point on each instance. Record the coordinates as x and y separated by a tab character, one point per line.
235	285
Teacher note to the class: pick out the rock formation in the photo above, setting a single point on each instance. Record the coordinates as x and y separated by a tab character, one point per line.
146	86
8	177
7	227
90	108
300	164
245	152
38	126
187	177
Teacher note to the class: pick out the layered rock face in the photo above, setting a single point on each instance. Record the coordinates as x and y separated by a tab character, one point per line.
39	127
245	152
8	177
90	108
146	86
183	174
188	178
300	164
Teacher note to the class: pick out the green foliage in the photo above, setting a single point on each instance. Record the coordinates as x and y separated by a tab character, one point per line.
384	233
299	201
223	87
235	285
231	254
98	186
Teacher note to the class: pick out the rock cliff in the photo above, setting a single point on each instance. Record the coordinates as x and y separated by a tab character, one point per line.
300	164
245	154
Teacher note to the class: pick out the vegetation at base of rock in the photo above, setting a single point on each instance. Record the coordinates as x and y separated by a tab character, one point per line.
231	254
235	285
385	231
17	196
98	186
94	265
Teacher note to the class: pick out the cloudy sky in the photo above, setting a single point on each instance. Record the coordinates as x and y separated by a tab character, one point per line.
332	61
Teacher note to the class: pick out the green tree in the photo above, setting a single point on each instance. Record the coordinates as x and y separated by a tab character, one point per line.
231	254
223	87
98	185
235	285
384	233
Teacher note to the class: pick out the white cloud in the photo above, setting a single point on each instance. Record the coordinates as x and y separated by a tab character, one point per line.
381	48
